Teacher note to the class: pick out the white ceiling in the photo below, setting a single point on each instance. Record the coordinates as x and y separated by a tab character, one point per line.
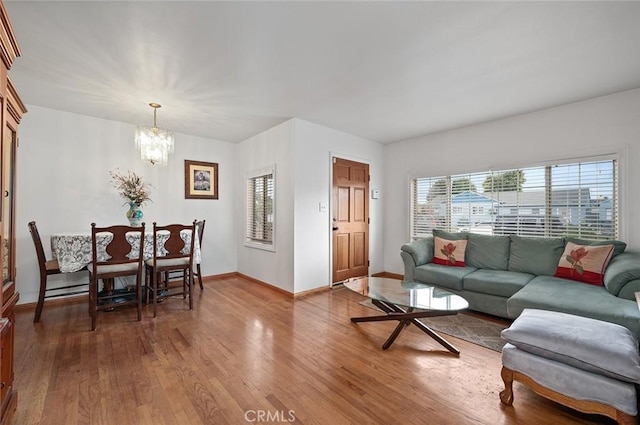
385	71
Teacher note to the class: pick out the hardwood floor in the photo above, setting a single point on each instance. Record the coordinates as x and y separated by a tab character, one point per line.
249	354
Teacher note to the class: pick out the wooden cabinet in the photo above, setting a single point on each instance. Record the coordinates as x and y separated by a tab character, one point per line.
11	111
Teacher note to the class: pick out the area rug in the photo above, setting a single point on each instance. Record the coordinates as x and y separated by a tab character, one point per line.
485	333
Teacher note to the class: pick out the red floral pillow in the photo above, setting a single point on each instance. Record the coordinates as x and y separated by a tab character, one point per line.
584	263
449	253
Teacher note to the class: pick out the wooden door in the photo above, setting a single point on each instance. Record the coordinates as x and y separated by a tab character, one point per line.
350	219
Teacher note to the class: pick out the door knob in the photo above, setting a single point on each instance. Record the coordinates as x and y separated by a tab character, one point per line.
335	227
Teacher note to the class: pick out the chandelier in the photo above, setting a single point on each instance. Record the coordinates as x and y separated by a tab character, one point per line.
155	144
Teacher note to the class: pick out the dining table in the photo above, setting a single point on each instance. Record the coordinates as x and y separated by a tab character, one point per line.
74	252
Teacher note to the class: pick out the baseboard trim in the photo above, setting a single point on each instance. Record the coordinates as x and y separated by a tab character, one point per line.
260	282
311	291
71	299
205	279
221	276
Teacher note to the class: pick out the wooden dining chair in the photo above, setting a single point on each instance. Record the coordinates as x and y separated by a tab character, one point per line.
122	259
48	268
196	273
170	256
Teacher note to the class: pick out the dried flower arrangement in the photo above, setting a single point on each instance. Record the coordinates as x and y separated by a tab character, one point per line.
131	187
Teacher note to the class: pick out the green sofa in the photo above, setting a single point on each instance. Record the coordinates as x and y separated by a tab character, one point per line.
503	275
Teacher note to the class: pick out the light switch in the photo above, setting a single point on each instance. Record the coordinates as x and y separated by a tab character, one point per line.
375	193
322	207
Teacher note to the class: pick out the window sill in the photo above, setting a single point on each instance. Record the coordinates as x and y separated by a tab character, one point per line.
262	246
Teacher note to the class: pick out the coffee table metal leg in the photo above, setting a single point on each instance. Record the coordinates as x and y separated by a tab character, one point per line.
395	333
446	344
405	318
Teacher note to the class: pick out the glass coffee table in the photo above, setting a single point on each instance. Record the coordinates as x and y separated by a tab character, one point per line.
400	300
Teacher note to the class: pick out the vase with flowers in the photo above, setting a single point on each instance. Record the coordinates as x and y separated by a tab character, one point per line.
135	190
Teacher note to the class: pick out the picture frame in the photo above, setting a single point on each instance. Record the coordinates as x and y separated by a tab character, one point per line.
200	180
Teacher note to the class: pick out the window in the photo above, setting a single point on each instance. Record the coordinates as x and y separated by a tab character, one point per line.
260	224
568	199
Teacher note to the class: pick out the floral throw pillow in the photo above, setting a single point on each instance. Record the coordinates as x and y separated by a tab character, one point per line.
449	253
584	263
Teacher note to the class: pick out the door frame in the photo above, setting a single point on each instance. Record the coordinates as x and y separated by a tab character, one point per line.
333	154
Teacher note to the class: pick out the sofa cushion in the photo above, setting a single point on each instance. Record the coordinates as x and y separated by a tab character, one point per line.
536	256
588	344
449	252
556	294
618	246
572	382
488	252
485	303
421	250
446	277
584	263
496	282
622	271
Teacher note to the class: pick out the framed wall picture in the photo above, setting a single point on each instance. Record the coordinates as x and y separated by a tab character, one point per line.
200	180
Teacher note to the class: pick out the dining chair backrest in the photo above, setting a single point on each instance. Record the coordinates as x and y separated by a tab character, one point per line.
118	249
174	245
37	242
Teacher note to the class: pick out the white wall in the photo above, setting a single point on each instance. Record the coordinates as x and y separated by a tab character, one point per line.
314	147
302	153
64	161
610	124
274	146
63	169
63	184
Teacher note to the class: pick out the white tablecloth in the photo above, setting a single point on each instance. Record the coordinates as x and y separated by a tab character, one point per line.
73	250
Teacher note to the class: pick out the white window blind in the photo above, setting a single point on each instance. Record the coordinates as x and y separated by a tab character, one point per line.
574	199
260	209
